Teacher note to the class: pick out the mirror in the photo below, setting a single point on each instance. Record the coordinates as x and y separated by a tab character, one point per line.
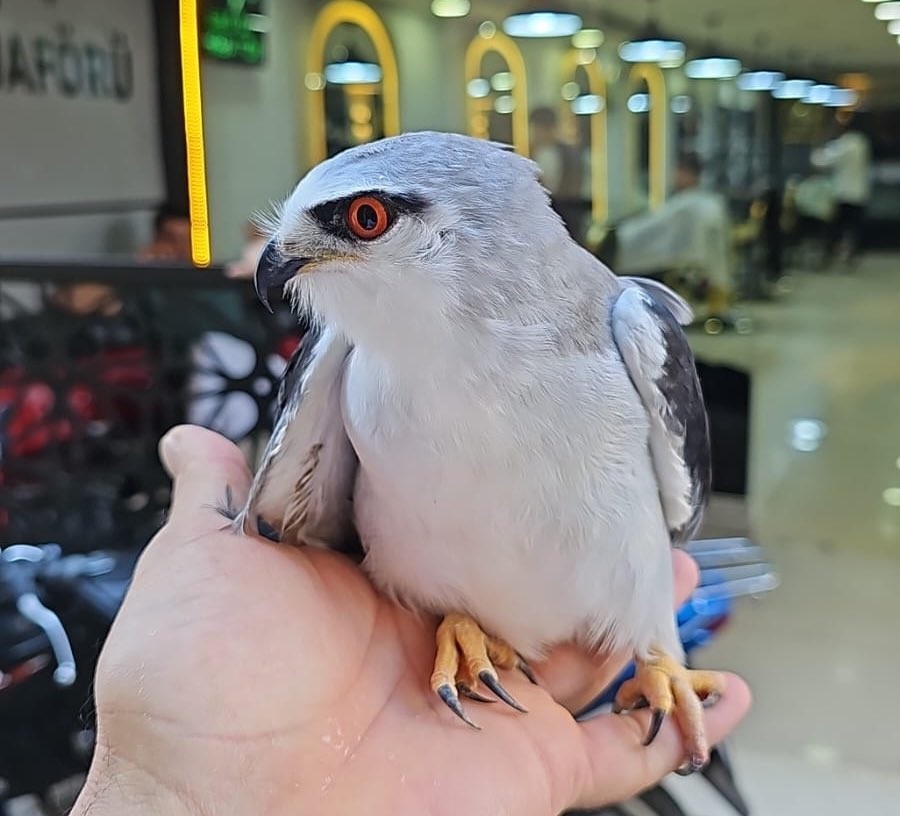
351	80
647	106
496	91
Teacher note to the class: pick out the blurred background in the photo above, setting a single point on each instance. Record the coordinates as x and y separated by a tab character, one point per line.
747	154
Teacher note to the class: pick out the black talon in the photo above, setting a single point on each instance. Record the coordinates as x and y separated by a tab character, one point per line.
655	724
711	699
451	699
463	689
523	667
494	685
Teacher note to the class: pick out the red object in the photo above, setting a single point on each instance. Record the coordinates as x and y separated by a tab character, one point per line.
35	420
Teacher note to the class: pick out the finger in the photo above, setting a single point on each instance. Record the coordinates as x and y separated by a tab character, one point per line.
574	678
207	470
619	765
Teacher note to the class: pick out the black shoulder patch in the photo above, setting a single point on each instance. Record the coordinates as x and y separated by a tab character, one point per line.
680	386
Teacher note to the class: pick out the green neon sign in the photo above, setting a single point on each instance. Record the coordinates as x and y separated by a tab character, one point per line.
234	31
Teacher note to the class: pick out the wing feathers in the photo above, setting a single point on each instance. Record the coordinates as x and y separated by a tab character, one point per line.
661	366
304	485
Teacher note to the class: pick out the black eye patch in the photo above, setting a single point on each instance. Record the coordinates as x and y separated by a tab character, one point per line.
332	215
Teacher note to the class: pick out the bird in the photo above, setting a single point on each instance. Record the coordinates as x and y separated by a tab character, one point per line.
506	434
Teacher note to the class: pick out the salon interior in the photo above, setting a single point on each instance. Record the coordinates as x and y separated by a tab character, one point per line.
745	154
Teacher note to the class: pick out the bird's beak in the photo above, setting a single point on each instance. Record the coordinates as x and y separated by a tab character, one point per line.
274	269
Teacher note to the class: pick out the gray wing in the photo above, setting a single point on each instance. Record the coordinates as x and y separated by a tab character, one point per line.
646	320
303	489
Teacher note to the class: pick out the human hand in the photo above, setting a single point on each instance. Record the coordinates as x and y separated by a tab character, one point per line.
243	676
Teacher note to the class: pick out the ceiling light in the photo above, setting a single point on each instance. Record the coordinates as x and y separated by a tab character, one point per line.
713	67
759	80
887	11
891	496
652	51
478	88
487	29
450	8
674	60
681	104
792	88
503	81
650	45
819	94
542	23
504	104
570	91
893	27
588	38
842	98
639	103
587	104
352	73
807	434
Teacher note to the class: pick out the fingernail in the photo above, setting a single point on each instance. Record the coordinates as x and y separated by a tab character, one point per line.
169	449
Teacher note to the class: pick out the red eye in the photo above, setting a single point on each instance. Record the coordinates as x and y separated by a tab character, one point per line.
367	217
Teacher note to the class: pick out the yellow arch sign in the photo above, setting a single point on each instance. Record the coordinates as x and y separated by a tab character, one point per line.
500	44
659	106
361	15
597	86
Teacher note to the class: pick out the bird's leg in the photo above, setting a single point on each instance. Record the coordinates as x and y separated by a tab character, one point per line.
670	688
465	657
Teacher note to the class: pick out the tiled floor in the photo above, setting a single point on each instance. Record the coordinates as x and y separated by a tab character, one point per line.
823	652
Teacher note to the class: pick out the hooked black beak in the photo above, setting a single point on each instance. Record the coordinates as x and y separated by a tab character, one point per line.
274	270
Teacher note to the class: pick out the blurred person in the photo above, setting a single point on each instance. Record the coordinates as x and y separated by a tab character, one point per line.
814	213
244	676
171	237
255	240
87	299
690	231
171	242
562	168
849	158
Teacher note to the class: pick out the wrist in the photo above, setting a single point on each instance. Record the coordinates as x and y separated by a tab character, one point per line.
117	788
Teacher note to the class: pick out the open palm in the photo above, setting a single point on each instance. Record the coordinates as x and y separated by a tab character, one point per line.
249	677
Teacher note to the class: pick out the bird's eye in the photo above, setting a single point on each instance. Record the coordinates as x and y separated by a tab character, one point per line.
367	217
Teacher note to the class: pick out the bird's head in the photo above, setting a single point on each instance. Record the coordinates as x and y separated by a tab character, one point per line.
429	222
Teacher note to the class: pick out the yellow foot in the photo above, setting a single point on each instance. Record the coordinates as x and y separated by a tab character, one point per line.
466	656
668	687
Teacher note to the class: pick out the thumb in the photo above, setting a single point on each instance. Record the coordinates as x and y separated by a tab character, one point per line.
208	472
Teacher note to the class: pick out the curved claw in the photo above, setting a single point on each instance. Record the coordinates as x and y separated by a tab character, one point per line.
494	685
448	694
711	699
692	766
523	667
655	724
463	689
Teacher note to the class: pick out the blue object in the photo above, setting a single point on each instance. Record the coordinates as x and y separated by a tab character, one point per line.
697	621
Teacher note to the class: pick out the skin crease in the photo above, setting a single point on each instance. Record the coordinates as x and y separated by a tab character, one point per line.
243	676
